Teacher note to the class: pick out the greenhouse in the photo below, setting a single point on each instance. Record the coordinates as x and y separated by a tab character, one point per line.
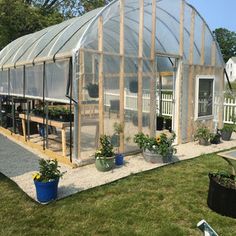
131	65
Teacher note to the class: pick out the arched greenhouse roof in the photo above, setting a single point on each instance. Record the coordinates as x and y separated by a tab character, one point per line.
53	42
59	41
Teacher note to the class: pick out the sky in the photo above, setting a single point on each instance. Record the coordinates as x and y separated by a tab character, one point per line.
217	13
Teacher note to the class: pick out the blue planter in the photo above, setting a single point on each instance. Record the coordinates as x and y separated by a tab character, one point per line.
119	159
46	192
42	131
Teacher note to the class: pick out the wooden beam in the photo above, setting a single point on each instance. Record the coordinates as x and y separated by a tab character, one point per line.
101	76
153	78
140	65
80	97
179	78
181	31
203	44
192	30
122	77
213	53
191	80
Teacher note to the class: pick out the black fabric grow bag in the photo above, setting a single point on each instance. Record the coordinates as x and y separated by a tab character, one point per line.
221	199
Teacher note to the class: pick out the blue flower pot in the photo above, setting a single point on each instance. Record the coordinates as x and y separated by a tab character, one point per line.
46	192
119	159
42	131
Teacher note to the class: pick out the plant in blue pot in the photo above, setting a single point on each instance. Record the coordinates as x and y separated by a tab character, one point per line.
115	140
46	180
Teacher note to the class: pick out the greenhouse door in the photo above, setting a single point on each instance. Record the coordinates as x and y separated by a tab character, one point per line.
165	93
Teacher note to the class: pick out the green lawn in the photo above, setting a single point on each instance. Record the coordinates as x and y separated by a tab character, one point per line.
166	201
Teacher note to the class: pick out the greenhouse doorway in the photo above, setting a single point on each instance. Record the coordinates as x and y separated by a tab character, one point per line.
167	70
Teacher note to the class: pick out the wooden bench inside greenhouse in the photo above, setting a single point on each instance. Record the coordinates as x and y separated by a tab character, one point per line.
60	125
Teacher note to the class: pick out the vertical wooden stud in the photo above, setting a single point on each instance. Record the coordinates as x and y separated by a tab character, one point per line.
153	75
140	65
191	80
80	97
181	31
203	44
213	53
192	30
100	76
179	77
122	72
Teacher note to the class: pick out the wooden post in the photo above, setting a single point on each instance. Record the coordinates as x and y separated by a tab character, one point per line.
100	75
191	80
140	66
203	44
181	31
80	97
153	77
179	79
192	30
213	53
122	77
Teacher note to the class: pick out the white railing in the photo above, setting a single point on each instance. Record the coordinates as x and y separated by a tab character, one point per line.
229	110
131	103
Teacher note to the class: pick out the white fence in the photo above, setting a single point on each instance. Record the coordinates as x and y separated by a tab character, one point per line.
131	103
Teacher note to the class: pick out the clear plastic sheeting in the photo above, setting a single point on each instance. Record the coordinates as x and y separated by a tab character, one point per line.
34	81
4	82
56	76
16	81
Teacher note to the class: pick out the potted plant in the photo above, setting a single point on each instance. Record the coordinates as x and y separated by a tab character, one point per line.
46	180
168	123
105	156
115	140
133	86
156	149
38	112
93	90
215	138
203	135
159	123
222	193
226	131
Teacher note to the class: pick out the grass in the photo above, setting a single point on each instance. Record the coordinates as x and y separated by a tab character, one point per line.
166	201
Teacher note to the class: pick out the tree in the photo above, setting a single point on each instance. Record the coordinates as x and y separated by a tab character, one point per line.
89	5
18	18
227	42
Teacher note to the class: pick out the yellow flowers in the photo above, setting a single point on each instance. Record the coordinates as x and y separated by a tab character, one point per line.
36	176
158	139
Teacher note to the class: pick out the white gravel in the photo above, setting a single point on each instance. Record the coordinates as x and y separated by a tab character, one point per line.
19	163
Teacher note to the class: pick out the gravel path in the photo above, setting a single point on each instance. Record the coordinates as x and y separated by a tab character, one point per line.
19	163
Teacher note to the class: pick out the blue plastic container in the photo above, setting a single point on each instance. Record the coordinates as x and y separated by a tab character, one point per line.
46	192
119	159
42	131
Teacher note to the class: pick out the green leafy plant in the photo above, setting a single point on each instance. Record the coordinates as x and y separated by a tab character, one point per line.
203	132
105	149
228	128
118	128
224	179
93	90
48	171
162	144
